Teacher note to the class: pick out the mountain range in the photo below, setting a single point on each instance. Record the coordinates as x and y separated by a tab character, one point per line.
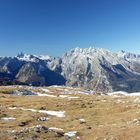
90	68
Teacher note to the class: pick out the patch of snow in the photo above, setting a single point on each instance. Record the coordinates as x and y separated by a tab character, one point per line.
26	57
56	86
45	90
82	120
124	93
59	114
30	93
13	131
67	91
63	96
33	110
71	134
12	108
69	97
44	57
129	56
48	95
81	92
7	118
134	94
55	129
74	97
117	93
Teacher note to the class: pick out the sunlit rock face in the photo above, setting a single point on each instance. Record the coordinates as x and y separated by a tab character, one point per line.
91	68
99	69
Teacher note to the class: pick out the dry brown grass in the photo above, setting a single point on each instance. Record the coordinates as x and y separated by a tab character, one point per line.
107	118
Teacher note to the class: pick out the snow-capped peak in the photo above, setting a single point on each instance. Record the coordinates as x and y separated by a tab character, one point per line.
44	57
89	50
129	56
32	58
26	57
92	53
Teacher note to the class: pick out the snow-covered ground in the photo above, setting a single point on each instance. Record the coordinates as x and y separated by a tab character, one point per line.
7	118
55	129
59	114
69	97
124	93
45	90
48	95
71	134
53	113
67	93
32	93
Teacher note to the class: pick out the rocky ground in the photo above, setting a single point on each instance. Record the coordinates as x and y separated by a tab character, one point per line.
60	113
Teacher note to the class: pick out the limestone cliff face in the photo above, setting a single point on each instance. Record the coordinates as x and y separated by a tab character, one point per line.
28	73
99	69
91	68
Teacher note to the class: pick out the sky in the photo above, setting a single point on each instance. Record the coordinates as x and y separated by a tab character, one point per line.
56	26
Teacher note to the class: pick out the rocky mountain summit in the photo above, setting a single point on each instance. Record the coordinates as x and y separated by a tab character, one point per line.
99	69
91	68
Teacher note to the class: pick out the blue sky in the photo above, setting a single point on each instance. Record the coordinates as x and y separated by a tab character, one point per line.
56	26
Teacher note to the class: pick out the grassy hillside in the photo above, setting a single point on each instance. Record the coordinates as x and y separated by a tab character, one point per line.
93	117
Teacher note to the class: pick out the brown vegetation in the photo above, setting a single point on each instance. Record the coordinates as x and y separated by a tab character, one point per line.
106	117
